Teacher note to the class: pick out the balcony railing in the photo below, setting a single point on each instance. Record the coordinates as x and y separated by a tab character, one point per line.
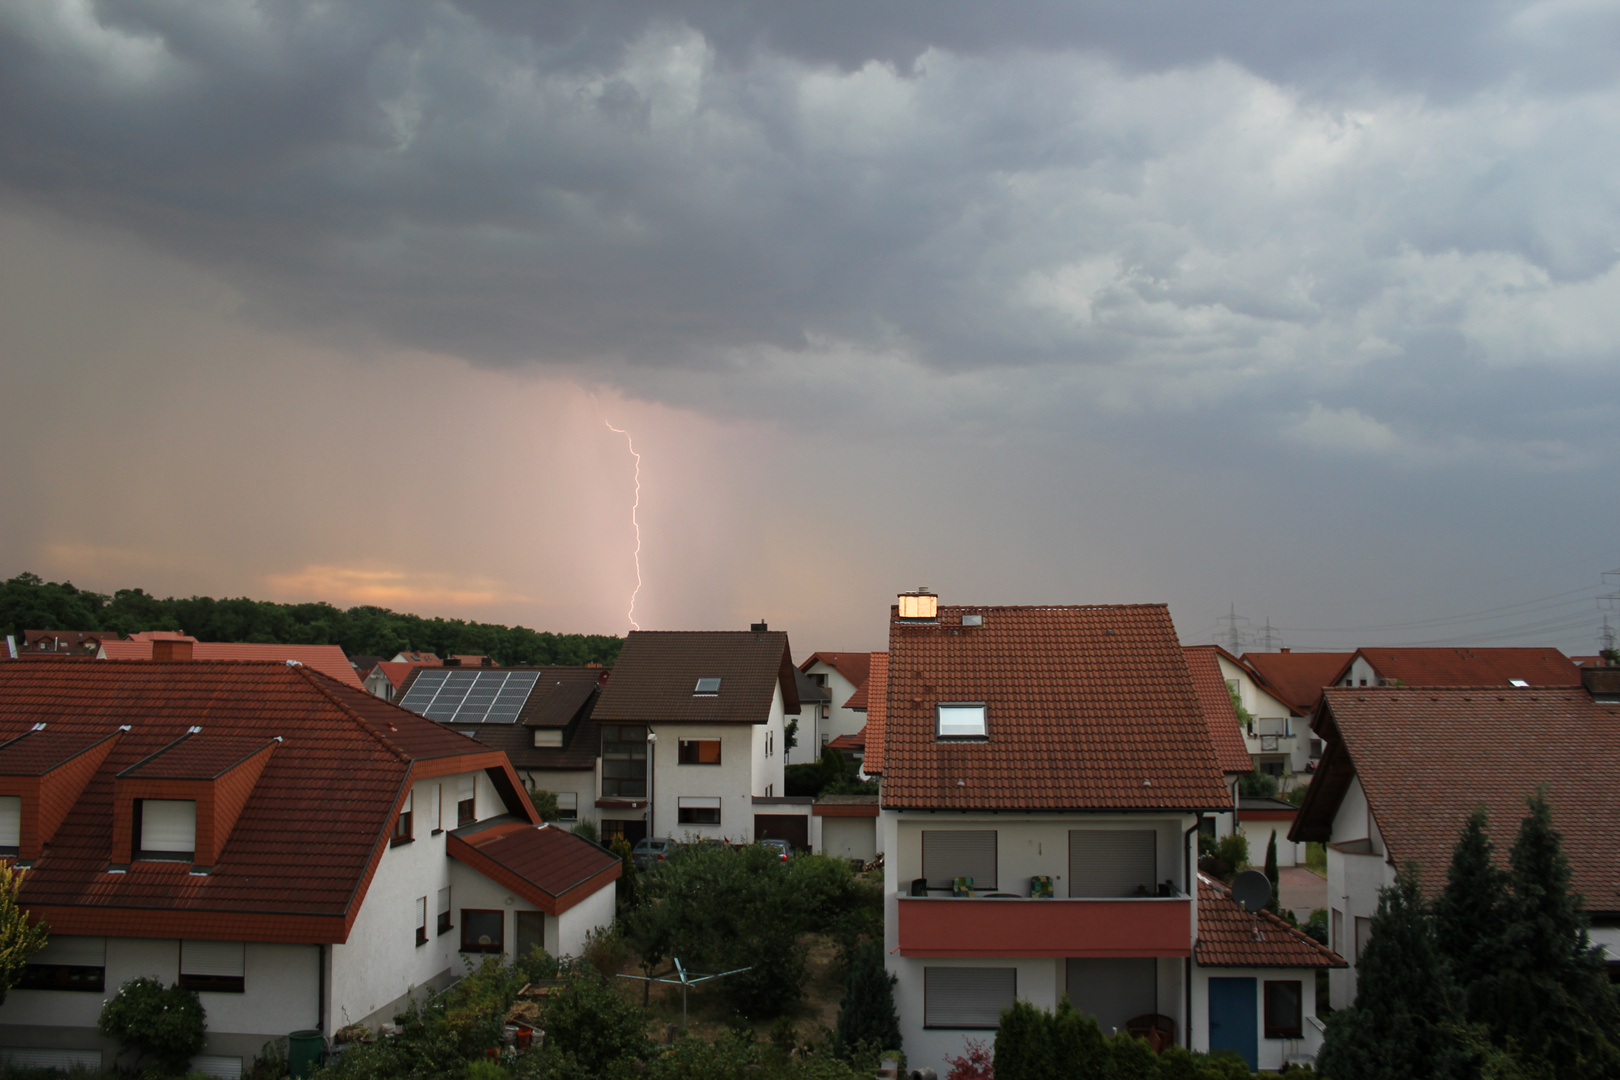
992	926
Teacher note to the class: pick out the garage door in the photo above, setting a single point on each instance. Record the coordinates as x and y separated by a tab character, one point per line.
794	828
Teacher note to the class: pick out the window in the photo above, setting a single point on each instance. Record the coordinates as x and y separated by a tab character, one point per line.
952	853
67	963
770	743
1336	932
438	809
1113	989
961	720
1112	862
624	761
402	824
707	688
548	738
1285	1017
166	828
699	752
213	965
1363	935
444	910
567	806
10	824
826	711
466	801
698	810
483	931
421	920
819	678
967	997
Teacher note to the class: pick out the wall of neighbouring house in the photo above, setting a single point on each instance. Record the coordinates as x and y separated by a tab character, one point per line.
580	782
1353	884
849	837
596	910
1273	1053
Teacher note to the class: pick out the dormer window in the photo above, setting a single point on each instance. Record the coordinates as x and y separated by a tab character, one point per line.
707	687
167	829
961	720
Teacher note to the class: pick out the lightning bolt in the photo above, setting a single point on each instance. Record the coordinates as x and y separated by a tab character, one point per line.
633	508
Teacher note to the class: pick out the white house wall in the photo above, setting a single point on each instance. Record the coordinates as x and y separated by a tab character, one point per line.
840	721
849	837
573	925
731	781
1353	885
1272	1053
580	782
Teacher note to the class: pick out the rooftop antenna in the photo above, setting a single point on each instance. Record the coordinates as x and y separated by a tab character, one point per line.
686	980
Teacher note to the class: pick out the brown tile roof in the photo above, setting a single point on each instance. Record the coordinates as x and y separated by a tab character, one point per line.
470	661
307	839
1296	678
859	698
562	697
327	659
877	715
34	753
1472	667
197	757
1087	708
548	866
854	666
1219	711
1427	756
657	671
1226	936
66	641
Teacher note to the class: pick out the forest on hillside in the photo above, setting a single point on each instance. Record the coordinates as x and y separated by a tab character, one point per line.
27	602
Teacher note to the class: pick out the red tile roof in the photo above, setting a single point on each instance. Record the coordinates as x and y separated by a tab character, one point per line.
1219	711
1087	708
877	714
1427	756
159	635
34	753
655	678
1296	678
854	666
397	673
197	757
327	659
302	851
1226	936
1471	667
859	698
856	741
548	866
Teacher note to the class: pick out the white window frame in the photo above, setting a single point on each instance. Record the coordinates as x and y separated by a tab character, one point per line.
961	720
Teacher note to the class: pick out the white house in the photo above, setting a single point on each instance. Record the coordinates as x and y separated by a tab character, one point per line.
297	851
692	730
1010	730
842	674
1377	804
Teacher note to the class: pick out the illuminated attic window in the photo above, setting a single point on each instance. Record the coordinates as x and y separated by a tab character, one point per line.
707	688
961	720
1518	682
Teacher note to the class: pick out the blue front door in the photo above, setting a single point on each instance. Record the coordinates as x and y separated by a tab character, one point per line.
1234	1022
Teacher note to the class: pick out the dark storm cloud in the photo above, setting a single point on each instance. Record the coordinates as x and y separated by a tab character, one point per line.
1161	208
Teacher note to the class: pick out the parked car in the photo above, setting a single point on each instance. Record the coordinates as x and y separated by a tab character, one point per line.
650	851
782	846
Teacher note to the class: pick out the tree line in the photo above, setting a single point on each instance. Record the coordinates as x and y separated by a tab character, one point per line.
28	602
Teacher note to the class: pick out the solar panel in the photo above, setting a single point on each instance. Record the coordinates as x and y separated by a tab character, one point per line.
470	697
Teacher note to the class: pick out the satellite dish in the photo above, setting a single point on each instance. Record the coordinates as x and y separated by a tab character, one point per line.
1252	889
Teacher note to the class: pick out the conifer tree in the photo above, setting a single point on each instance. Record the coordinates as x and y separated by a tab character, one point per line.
1406	1023
1547	997
867	1016
1274	905
1471	914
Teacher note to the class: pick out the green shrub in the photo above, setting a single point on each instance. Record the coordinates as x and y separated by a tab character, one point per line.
587	828
166	1023
545	803
595	1024
1317	925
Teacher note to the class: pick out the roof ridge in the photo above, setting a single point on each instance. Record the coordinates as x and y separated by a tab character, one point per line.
345	707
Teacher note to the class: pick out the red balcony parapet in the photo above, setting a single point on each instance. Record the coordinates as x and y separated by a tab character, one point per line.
981	927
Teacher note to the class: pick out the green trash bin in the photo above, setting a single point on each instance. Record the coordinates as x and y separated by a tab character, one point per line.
304	1052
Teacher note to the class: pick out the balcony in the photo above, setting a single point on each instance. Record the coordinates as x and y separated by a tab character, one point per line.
1014	926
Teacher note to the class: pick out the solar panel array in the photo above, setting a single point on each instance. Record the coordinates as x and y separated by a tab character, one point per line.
470	697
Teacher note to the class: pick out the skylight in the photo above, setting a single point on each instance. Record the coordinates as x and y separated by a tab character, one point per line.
707	688
961	720
1518	682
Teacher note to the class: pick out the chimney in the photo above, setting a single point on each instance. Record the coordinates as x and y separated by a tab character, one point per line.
759	627
452	661
1282	650
168	651
919	605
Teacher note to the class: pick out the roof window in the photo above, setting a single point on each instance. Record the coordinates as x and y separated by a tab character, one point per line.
961	720
1518	682
707	687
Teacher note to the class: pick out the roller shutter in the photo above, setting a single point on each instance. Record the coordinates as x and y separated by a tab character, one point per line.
72	951
219	958
61	1060
952	853
1114	989
226	1068
964	997
10	821
1112	862
168	825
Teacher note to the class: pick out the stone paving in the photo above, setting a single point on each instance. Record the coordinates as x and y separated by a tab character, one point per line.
1301	891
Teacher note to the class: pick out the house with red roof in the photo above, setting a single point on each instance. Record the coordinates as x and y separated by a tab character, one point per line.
1457	667
298	852
1254	983
1012	730
1404	766
169	646
842	675
387	679
1296	677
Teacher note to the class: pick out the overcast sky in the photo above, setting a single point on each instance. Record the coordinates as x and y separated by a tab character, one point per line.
1306	311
